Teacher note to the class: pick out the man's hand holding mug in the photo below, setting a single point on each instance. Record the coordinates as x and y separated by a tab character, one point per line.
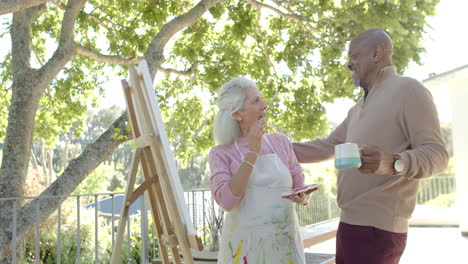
376	161
368	159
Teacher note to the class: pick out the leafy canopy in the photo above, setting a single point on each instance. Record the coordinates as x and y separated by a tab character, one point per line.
298	44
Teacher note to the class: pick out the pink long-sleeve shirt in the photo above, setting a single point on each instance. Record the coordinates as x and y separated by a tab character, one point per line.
224	161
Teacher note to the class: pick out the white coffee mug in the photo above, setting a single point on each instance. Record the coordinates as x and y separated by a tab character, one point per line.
347	156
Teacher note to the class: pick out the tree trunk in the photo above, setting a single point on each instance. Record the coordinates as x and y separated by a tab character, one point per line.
50	157
43	161
28	87
77	170
33	160
17	149
18	138
65	155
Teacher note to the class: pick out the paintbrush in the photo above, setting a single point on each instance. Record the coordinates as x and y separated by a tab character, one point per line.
271	101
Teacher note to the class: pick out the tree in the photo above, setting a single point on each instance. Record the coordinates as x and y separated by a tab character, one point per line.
297	44
195	174
51	159
15	5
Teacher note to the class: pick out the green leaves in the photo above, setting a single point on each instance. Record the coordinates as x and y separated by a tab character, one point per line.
6	77
66	101
305	41
188	128
308	50
309	53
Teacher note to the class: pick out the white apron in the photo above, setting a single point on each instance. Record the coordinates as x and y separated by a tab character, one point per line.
263	228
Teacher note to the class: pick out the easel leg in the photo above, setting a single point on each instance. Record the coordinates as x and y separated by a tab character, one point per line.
116	251
161	210
156	215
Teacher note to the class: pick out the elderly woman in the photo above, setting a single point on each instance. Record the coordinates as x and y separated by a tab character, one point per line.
250	169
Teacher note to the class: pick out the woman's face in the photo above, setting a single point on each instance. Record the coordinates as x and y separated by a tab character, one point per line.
254	108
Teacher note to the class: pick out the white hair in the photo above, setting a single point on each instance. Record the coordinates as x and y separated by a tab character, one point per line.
231	99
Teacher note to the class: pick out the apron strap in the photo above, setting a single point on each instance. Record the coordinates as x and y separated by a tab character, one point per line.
268	143
238	150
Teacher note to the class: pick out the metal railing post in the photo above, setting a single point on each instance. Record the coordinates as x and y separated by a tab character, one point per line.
13	231
78	227
204	215
59	232
96	229
113	221
36	224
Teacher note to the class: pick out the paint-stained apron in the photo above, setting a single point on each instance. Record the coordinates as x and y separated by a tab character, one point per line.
263	228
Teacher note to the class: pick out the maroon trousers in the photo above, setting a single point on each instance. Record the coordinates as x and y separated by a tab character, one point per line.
368	245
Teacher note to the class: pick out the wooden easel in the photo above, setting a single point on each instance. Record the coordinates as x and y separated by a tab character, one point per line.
172	223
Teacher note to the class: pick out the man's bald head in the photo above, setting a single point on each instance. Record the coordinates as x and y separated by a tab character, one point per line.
376	38
369	52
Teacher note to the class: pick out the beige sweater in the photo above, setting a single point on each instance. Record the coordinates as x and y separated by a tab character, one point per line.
399	116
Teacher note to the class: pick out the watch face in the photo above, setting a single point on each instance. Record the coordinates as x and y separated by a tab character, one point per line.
399	165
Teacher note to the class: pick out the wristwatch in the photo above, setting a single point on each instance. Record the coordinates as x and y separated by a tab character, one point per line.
398	164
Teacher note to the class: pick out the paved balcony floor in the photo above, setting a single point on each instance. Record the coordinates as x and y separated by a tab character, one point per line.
428	245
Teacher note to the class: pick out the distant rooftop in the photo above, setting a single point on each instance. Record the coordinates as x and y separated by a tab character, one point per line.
105	205
433	76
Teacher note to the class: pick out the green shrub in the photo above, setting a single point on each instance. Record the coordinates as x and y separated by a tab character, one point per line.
69	250
443	200
450	170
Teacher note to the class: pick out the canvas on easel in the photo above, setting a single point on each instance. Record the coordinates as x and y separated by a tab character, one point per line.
172	222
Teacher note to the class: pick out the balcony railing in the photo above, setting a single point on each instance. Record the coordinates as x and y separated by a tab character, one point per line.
434	187
82	232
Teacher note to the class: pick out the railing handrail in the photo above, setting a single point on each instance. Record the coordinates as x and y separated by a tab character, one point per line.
116	193
58	196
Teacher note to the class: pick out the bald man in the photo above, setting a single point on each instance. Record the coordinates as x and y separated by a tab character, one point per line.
397	126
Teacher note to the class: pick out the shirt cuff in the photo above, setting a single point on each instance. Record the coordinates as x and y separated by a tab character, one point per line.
229	200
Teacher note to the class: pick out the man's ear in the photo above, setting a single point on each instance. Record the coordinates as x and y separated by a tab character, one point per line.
378	53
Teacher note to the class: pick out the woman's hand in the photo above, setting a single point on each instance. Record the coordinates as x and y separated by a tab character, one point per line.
300	198
255	135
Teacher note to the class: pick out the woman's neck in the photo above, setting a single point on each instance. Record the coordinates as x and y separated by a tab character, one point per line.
244	131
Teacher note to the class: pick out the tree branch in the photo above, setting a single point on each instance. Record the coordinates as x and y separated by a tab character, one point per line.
283	14
38	58
10	6
21	38
276	10
66	48
67	32
186	73
288	2
85	51
100	21
258	31
126	61
154	54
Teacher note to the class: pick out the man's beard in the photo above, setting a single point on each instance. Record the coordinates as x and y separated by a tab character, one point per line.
357	83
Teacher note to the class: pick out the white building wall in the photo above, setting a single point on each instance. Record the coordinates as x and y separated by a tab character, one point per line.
456	83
